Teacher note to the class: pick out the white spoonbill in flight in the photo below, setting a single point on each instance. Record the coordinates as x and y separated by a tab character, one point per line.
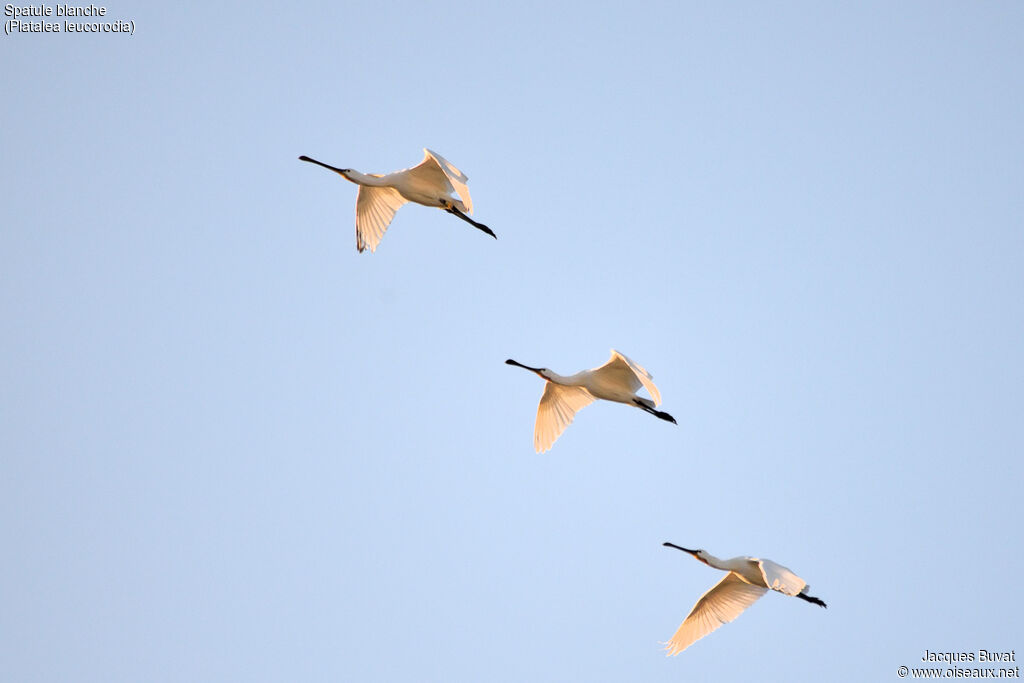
380	196
617	380
748	579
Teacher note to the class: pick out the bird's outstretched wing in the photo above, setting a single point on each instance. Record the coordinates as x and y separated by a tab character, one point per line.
621	370
720	605
779	578
375	207
438	171
557	408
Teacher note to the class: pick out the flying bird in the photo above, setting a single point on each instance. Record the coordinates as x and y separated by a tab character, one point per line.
748	579
380	196
617	380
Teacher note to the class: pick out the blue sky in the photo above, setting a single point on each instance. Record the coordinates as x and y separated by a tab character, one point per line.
235	449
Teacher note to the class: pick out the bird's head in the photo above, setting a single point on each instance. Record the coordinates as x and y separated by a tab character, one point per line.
540	372
701	555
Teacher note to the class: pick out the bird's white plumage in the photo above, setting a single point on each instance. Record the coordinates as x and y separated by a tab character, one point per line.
433	182
779	578
617	380
375	207
620	370
746	580
557	408
720	605
457	179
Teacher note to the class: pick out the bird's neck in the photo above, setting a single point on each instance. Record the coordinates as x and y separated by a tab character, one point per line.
570	381
363	178
717	563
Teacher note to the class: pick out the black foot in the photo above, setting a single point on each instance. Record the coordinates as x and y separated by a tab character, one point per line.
666	417
640	403
811	598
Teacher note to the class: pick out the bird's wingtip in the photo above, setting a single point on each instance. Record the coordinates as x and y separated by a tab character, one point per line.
670	650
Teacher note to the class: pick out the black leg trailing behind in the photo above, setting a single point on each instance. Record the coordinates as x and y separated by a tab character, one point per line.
656	413
478	226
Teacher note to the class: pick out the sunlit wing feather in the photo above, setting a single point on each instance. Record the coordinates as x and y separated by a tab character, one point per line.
375	207
455	178
781	579
622	370
558	406
720	605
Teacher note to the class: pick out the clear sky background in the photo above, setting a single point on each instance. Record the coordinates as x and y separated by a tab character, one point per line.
233	449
